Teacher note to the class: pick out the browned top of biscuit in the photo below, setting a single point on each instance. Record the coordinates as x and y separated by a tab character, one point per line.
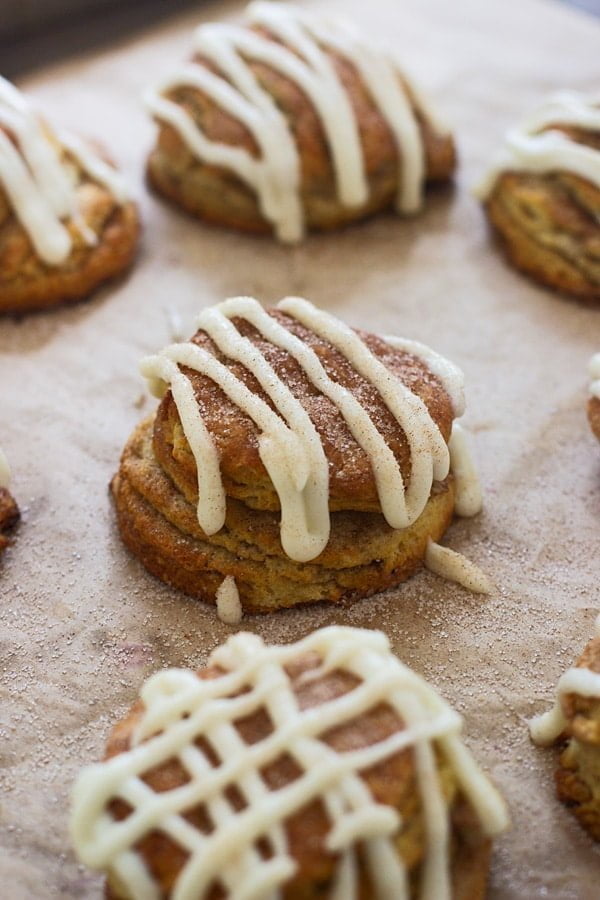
379	147
352	483
392	782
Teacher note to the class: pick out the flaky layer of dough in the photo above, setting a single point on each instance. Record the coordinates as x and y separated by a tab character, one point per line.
216	195
392	782
28	283
160	526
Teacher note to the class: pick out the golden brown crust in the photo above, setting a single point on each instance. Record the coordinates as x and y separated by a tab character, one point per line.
548	226
578	774
594	415
392	782
160	526
27	283
352	483
217	196
9	516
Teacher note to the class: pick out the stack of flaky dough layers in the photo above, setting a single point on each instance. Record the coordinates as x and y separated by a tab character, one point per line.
156	488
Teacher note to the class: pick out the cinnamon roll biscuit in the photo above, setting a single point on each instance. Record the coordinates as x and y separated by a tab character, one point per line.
290	122
542	195
323	768
303	459
66	221
575	723
9	511
594	401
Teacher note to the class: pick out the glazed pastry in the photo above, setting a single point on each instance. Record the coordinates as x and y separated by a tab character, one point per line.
9	511
66	221
323	768
575	721
291	121
300	459
542	195
594	401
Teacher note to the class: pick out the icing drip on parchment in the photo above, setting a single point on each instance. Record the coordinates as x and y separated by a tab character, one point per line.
229	608
4	470
594	370
289	445
546	728
535	146
443	561
275	174
180	708
453	566
40	183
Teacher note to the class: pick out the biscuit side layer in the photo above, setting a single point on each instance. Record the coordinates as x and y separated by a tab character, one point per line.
160	527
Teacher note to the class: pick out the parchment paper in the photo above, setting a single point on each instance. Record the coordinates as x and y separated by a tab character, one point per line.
82	624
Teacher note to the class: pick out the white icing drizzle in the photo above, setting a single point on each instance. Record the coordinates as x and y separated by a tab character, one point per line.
531	148
4	470
449	374
275	174
469	499
180	707
546	728
455	567
289	444
229	608
39	184
594	370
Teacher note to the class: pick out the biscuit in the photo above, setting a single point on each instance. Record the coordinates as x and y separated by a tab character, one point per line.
304	768
66	221
542	196
575	722
303	459
289	122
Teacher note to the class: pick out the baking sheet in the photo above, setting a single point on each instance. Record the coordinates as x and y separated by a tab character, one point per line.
82	624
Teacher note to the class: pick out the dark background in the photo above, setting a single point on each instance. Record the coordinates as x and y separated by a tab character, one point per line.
36	32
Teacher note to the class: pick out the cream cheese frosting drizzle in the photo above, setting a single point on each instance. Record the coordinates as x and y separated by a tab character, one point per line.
455	567
594	370
275	174
289	445
536	147
229	608
40	182
4	470
467	486
179	708
546	728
